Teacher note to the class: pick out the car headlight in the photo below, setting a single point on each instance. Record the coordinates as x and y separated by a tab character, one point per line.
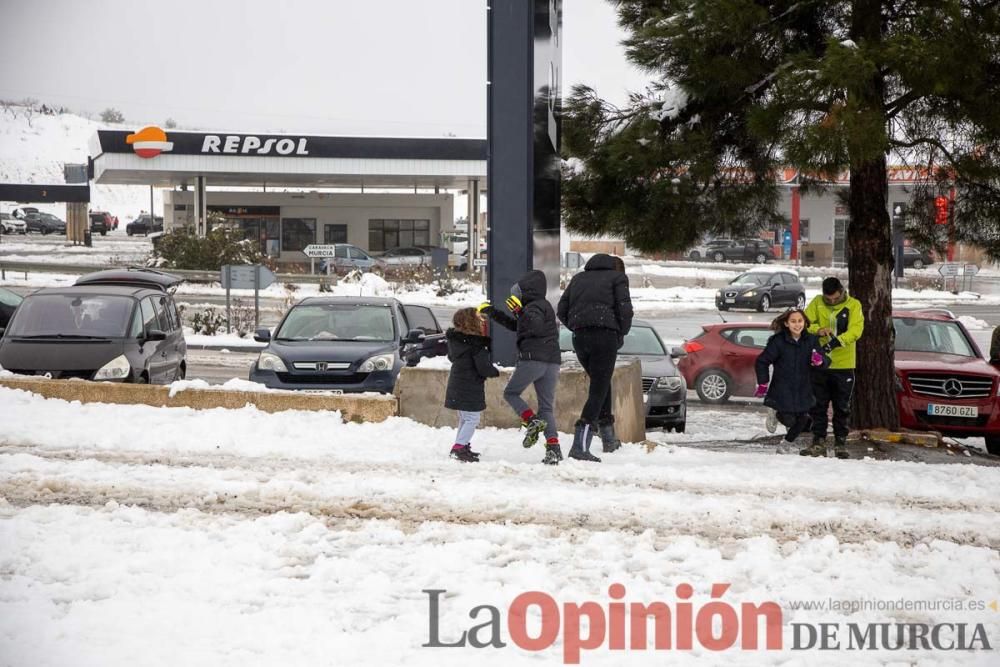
380	362
669	383
750	293
268	361
116	369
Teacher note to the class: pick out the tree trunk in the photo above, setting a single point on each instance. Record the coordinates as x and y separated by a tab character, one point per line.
869	241
870	273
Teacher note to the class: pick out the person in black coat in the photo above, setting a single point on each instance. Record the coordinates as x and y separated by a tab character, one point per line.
597	308
469	353
538	359
792	352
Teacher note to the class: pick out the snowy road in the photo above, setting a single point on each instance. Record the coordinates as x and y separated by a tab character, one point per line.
170	536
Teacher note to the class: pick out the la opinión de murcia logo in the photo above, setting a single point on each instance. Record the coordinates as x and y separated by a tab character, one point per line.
149	142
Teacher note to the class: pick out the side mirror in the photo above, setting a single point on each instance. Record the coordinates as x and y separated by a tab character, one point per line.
415	336
155	334
676	352
262	335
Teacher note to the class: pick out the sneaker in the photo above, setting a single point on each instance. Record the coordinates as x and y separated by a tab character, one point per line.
553	455
583	455
840	448
771	423
817	448
533	428
464	454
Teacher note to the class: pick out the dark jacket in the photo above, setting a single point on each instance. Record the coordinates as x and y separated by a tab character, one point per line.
470	366
790	388
536	326
597	298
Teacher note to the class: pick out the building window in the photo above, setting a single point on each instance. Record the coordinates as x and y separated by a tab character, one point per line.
804	230
389	234
297	233
334	234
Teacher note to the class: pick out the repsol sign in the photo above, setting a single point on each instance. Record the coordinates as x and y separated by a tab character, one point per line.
249	144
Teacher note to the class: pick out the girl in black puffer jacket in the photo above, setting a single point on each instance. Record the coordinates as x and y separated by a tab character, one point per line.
793	352
469	352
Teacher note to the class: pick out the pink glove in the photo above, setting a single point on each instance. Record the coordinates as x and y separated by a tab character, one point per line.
816	359
761	391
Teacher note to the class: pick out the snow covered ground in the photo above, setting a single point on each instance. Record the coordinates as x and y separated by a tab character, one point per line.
140	535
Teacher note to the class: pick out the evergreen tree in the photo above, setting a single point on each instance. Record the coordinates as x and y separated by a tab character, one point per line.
746	88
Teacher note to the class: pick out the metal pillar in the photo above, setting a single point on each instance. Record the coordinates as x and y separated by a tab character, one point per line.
524	66
200	207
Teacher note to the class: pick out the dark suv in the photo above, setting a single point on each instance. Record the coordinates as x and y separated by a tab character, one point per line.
143	225
116	325
345	344
744	250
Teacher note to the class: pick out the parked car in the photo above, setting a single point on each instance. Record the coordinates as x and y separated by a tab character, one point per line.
101	222
412	256
143	225
744	250
11	225
116	325
347	258
705	250
9	301
343	344
943	382
916	258
21	212
760	290
663	390
44	223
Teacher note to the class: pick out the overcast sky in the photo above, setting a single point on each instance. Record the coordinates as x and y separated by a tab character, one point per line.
390	67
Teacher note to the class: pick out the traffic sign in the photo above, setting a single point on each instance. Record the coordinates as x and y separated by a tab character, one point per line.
479	262
971	269
317	250
242	276
948	269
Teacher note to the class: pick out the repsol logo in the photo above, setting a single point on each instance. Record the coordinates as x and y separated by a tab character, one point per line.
234	144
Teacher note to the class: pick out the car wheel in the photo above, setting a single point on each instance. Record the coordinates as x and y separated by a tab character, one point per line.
993	444
761	258
694	256
723	307
142	379
719	257
129	232
713	386
679	427
45	232
918	264
765	303
104	233
800	302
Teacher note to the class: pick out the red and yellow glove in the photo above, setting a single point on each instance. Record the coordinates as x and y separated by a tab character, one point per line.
514	304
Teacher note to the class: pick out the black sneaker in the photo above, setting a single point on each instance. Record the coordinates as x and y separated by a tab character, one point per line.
464	454
553	455
532	429
583	455
840	448
468	448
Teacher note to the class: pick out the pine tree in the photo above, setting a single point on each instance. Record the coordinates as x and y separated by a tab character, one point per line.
746	88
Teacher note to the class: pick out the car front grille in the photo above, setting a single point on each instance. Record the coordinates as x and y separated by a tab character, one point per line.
938	420
321	365
647	384
322	378
952	385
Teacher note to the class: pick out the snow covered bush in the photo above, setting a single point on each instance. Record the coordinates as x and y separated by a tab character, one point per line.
182	249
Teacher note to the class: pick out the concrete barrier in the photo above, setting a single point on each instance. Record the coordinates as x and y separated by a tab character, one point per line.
353	407
421	398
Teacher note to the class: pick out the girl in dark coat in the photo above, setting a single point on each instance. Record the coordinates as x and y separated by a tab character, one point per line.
469	352
792	352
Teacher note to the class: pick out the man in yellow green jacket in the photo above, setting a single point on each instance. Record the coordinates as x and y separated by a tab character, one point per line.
837	319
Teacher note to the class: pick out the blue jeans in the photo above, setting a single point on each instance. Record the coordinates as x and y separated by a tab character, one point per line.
467	423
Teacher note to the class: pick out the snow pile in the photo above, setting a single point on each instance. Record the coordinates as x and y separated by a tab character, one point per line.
974	323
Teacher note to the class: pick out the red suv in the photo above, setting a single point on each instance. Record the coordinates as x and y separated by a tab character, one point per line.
943	383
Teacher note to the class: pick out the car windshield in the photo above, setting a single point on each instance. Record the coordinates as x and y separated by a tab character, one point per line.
72	316
642	340
338	322
749	279
917	335
49	217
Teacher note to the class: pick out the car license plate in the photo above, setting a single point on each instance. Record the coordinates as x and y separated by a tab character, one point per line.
970	411
335	392
730	300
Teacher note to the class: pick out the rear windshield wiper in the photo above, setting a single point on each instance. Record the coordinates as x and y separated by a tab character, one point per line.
60	335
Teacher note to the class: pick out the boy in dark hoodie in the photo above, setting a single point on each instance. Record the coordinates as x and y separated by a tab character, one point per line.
469	353
538	359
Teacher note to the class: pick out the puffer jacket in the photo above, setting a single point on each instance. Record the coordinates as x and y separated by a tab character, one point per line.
847	322
470	366
536	326
597	298
790	388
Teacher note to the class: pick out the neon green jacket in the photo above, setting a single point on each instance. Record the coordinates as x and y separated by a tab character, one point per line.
847	322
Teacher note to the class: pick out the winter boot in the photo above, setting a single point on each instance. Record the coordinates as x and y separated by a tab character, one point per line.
582	435
553	452
606	431
771	422
468	448
464	454
533	427
817	448
840	448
